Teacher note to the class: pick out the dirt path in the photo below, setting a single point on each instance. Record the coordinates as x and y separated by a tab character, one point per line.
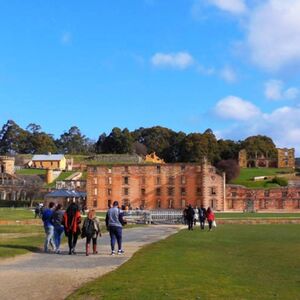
52	276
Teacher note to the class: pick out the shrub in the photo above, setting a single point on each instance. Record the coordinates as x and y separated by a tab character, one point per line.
280	181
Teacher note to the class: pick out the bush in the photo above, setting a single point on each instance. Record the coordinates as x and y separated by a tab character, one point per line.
11	203
280	181
230	167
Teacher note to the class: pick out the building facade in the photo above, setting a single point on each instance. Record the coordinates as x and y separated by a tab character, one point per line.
154	186
240	198
7	165
49	161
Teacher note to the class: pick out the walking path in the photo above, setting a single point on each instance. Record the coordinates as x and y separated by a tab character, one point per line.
51	276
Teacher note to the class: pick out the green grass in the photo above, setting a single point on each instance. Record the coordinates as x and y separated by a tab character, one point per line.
62	176
31	172
233	262
246	177
250	215
20	239
16	214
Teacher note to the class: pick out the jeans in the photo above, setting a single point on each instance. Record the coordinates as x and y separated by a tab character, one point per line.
115	233
72	240
202	223
190	224
49	230
58	230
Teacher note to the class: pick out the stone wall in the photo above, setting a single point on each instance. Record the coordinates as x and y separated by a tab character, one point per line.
286	158
7	165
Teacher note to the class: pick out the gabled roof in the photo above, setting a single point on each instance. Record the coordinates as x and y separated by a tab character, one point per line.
66	193
47	157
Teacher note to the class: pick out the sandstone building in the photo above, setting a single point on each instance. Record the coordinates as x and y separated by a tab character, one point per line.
7	165
285	159
153	186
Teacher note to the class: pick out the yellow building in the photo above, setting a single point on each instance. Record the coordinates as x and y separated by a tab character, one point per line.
49	161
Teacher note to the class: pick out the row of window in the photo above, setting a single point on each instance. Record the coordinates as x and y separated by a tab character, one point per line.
158	181
263	204
266	194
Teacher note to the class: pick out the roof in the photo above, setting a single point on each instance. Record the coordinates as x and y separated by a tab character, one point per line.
47	157
65	193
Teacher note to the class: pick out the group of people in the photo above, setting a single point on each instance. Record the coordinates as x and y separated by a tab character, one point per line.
191	215
56	221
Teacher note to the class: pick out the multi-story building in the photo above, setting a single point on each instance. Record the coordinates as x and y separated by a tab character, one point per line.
153	186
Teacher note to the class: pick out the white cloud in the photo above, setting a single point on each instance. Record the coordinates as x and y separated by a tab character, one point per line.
236	108
66	38
274	90
273	35
179	60
228	74
232	6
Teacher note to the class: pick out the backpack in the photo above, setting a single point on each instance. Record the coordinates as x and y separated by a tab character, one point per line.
88	228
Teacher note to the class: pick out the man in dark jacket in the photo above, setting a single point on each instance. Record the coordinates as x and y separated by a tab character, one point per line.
202	216
190	217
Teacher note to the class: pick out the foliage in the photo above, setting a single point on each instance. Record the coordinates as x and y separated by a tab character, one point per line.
229	149
209	265
230	167
280	181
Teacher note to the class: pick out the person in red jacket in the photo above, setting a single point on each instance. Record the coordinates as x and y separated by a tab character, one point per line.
72	219
210	216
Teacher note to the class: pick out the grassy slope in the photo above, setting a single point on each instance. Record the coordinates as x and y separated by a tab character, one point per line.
16	214
246	177
234	262
31	172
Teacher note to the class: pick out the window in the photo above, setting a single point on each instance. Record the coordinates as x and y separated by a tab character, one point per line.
233	194
143	204
109	170
158	169
183	191
126	169
171	180
143	180
126	202
126	180
143	192
263	204
183	180
267	193
171	203
109	180
95	203
158	191
212	203
183	203
170	191
109	192
109	203
126	191
157	180
213	191
198	191
182	167
95	180
284	194
158	203
230	204
95	191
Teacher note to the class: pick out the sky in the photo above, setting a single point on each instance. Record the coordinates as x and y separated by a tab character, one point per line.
229	65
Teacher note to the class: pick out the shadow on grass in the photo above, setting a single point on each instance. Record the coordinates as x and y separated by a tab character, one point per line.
22	247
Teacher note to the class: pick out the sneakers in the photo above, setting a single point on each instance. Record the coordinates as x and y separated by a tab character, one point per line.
113	253
120	252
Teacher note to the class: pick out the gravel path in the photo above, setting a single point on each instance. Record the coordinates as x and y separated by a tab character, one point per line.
51	276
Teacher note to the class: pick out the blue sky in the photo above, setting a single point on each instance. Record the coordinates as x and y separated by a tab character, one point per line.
229	65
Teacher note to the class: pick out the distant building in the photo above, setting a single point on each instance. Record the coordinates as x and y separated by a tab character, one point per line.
155	186
285	159
48	161
7	165
65	197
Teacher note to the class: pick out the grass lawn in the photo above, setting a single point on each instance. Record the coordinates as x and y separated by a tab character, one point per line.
16	214
233	262
62	176
256	215
20	239
31	172
247	174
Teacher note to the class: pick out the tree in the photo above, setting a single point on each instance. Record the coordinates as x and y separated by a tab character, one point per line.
230	167
13	139
228	149
73	142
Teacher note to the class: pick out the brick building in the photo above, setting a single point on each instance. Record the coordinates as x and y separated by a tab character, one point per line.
240	198
152	186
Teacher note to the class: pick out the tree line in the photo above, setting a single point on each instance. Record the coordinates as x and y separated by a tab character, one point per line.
169	145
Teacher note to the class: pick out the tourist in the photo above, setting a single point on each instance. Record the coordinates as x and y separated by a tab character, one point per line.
72	219
57	220
114	222
90	231
202	216
210	218
37	211
184	214
196	216
190	217
49	228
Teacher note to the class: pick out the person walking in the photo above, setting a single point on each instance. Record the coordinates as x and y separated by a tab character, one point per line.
72	219
114	222
91	230
57	220
210	218
190	217
202	216
49	228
